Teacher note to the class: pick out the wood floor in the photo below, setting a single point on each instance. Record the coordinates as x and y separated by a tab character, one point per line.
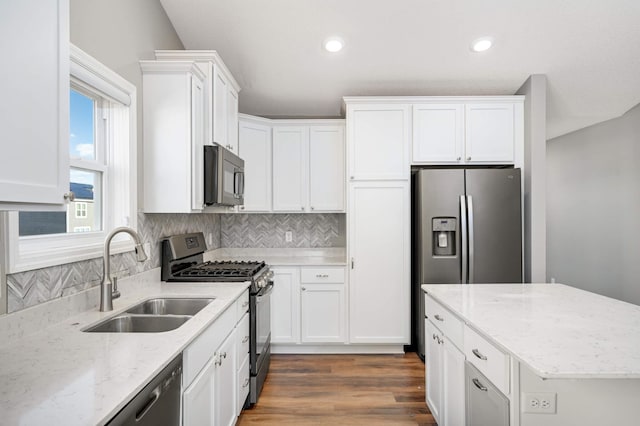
342	390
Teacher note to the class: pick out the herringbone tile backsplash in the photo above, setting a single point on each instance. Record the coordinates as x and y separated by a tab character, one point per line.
268	230
30	288
33	287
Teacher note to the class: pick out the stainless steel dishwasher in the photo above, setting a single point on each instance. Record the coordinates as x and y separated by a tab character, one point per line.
486	405
158	403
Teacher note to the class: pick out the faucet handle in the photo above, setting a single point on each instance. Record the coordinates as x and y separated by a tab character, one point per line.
114	290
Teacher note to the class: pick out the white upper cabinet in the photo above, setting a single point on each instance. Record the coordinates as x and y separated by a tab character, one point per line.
34	117
469	130
490	133
255	150
302	167
173	123
326	168
221	95
438	133
378	141
290	146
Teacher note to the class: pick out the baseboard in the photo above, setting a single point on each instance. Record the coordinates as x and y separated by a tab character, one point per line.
336	349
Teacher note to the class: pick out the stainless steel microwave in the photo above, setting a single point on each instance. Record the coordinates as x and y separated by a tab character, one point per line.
223	177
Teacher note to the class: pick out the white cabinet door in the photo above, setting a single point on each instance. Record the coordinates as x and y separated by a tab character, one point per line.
255	149
379	242
378	141
198	405
490	133
453	403
34	117
232	120
434	371
220	119
438	133
326	168
285	306
322	313
226	383
290	168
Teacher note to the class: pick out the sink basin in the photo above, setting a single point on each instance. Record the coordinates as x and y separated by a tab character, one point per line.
169	306
139	324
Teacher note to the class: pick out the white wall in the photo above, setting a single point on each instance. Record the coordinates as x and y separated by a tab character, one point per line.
593	208
119	33
535	119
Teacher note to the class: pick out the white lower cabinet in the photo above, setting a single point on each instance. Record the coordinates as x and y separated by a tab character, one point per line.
308	305
215	372
198	405
444	364
225	383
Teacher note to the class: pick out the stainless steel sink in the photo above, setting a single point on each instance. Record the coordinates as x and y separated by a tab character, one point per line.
128	323
169	306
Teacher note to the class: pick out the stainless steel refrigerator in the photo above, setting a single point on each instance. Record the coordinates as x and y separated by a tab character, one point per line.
467	229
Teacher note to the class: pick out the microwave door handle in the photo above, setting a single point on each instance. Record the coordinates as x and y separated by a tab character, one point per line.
241	194
236	183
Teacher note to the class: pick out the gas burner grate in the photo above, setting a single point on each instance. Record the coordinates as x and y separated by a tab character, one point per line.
226	270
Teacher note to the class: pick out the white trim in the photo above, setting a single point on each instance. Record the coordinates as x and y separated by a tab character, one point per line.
4	250
198	56
277	348
35	252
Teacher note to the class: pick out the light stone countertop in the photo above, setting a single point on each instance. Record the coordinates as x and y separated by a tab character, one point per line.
556	330
334	256
63	376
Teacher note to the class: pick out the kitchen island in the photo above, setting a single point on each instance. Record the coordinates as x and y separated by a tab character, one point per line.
576	351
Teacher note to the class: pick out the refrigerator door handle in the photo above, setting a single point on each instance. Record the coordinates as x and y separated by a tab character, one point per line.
471	244
463	230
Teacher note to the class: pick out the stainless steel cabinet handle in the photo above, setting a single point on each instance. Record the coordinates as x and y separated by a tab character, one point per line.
479	385
246	339
479	355
69	196
245	304
218	360
438	317
353	263
468	158
224	355
246	383
313	208
434	336
241	207
322	275
459	158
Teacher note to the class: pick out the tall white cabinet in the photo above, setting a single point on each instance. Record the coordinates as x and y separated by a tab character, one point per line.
255	150
378	141
34	165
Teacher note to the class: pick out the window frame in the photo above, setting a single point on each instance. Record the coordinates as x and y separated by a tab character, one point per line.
33	252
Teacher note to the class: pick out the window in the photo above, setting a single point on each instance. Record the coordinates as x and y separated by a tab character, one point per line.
102	174
81	211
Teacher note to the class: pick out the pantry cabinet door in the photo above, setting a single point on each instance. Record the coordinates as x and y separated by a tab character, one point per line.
290	146
232	120
326	169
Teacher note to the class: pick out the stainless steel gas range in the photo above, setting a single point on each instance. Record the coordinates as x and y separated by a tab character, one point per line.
182	260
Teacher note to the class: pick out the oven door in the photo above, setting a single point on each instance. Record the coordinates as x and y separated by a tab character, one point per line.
261	327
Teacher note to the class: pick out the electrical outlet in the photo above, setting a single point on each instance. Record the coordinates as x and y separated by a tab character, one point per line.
210	239
539	403
288	236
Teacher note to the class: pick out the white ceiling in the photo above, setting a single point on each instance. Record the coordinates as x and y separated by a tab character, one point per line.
589	50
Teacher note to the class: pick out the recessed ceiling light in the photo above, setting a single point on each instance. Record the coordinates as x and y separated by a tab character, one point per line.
333	44
482	44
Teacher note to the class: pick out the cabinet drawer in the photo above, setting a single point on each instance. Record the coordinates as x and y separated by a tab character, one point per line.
244	383
242	336
322	275
487	358
196	355
242	305
448	323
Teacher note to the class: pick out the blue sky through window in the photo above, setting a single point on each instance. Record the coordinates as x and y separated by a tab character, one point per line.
81	134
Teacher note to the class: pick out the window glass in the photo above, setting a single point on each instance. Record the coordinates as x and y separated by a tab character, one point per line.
82	127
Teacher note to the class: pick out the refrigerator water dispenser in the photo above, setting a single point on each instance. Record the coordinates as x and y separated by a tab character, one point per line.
444	236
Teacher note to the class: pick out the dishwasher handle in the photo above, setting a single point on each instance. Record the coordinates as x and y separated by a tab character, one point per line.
155	395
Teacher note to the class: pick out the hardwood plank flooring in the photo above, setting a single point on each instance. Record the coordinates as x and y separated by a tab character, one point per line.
342	390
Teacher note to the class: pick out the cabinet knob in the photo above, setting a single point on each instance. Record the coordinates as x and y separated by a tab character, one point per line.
351	177
241	207
459	158
313	208
468	158
438	317
304	289
69	196
302	208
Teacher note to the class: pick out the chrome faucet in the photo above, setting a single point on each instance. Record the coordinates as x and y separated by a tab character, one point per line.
109	288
